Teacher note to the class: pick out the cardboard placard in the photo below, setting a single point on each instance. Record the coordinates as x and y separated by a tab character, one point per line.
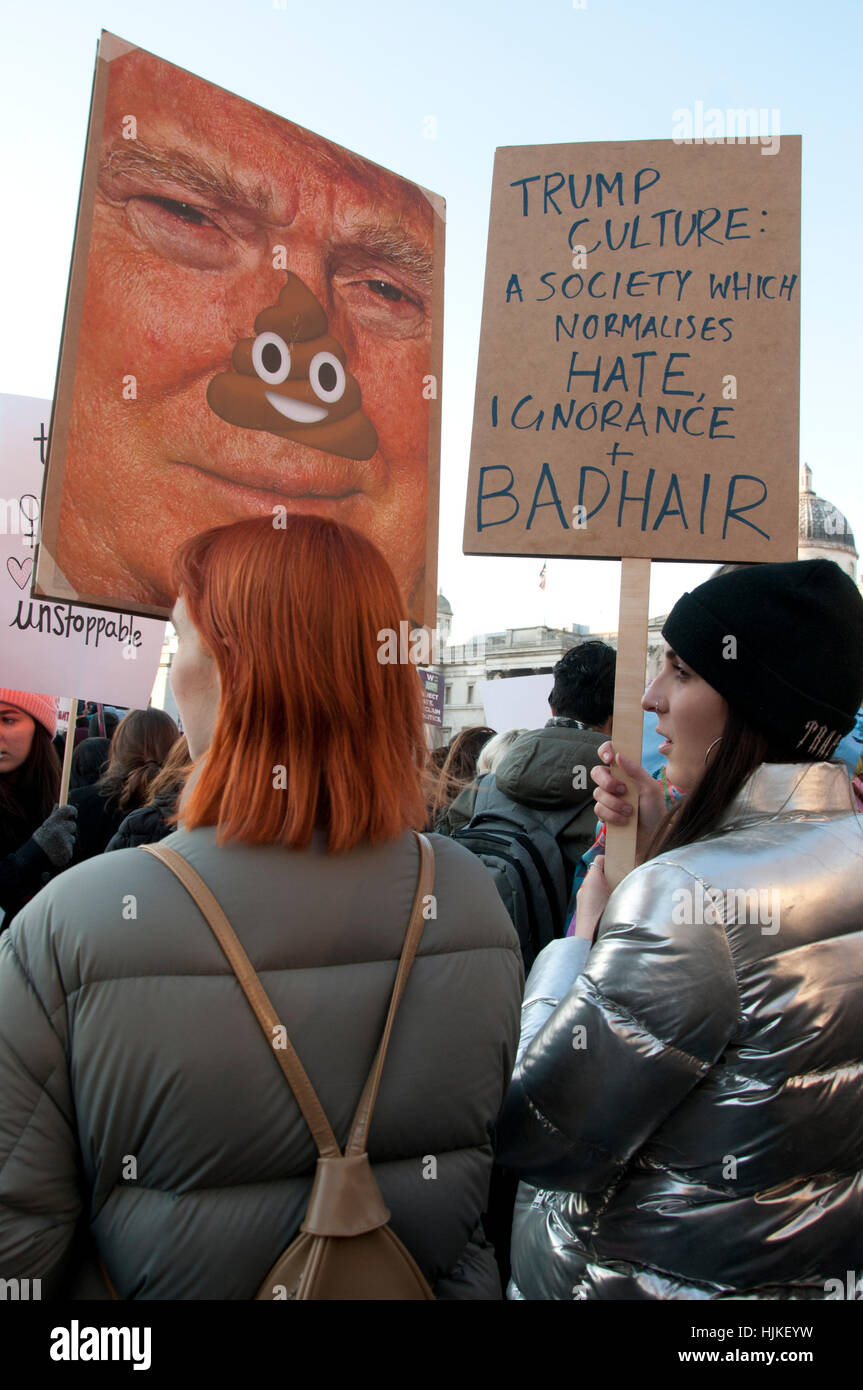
254	322
638	381
433	692
516	702
58	648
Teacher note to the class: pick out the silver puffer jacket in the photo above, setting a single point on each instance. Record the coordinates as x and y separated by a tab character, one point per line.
691	1112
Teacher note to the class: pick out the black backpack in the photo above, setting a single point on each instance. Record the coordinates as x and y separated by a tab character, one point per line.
518	846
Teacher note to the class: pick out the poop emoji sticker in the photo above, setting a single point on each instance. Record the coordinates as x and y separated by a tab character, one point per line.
292	379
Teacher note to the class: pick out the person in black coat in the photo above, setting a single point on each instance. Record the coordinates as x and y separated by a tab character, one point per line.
140	745
157	819
36	841
89	761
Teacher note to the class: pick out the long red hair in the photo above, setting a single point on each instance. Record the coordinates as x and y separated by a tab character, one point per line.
291	614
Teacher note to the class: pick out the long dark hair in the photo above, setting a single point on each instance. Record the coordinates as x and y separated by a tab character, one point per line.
141	743
30	793
459	768
741	751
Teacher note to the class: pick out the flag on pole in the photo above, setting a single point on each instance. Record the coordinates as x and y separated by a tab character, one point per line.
542	576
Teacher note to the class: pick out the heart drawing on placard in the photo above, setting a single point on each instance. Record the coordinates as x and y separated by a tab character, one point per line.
24	570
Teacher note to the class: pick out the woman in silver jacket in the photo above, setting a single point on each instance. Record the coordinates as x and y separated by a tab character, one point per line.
686	1098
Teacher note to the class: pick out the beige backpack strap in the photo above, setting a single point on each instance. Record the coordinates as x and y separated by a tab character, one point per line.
362	1119
254	991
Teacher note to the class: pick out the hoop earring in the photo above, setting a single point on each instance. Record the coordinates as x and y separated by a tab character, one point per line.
712	746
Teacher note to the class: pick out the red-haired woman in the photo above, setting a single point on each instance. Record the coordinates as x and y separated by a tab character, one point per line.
170	1131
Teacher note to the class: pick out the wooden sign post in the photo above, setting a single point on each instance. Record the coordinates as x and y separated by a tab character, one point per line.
68	753
627	721
638	378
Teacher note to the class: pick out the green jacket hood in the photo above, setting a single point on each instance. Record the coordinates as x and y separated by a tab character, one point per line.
541	766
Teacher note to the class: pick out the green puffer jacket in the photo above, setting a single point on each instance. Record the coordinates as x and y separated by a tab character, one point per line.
139	1101
539	771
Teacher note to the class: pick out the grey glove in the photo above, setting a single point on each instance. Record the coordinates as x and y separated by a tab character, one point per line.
57	835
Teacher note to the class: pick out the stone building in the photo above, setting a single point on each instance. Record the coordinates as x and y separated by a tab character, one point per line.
517	651
824	532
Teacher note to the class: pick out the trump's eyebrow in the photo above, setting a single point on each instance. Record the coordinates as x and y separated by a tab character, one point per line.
386	240
390	242
191	171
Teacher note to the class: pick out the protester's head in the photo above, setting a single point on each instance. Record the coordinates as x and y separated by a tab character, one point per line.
88	762
141	743
741	685
731	567
29	766
175	770
277	677
492	752
464	751
459	768
109	722
584	685
39	710
436	758
189	217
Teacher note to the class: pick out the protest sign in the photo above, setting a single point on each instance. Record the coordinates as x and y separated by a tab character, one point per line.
58	648
516	702
637	390
638	381
433	690
253	328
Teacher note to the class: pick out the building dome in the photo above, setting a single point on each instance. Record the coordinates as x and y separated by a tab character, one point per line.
443	604
821	524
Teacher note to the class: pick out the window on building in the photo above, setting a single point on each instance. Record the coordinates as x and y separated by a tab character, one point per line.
447	692
470	694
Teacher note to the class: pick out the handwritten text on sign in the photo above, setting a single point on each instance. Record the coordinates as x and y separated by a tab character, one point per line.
637	390
58	648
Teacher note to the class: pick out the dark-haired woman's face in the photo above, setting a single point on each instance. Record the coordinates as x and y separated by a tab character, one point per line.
690	716
16	737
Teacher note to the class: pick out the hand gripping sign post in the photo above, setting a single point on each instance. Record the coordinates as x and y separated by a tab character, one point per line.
638	380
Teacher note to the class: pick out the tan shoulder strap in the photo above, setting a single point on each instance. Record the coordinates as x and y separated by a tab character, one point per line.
267	1017
257	996
362	1119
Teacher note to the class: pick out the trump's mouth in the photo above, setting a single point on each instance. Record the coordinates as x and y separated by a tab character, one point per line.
292	409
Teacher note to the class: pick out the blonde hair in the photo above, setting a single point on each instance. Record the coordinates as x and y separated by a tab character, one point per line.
495	749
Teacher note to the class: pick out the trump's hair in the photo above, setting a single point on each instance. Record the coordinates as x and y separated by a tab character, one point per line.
312	729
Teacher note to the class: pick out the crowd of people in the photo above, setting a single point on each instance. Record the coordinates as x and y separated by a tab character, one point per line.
121	784
645	1093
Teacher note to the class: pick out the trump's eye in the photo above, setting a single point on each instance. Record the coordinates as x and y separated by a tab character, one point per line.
327	377
386	290
386	305
182	232
185	211
271	358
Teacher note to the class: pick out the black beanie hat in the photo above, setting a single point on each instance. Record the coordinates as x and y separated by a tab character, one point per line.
783	644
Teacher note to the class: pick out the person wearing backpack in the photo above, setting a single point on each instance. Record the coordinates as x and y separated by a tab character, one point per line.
531	820
156	1132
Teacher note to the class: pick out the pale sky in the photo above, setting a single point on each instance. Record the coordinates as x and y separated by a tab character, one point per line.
368	76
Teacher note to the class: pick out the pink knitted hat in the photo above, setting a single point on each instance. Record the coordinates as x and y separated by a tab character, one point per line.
42	707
